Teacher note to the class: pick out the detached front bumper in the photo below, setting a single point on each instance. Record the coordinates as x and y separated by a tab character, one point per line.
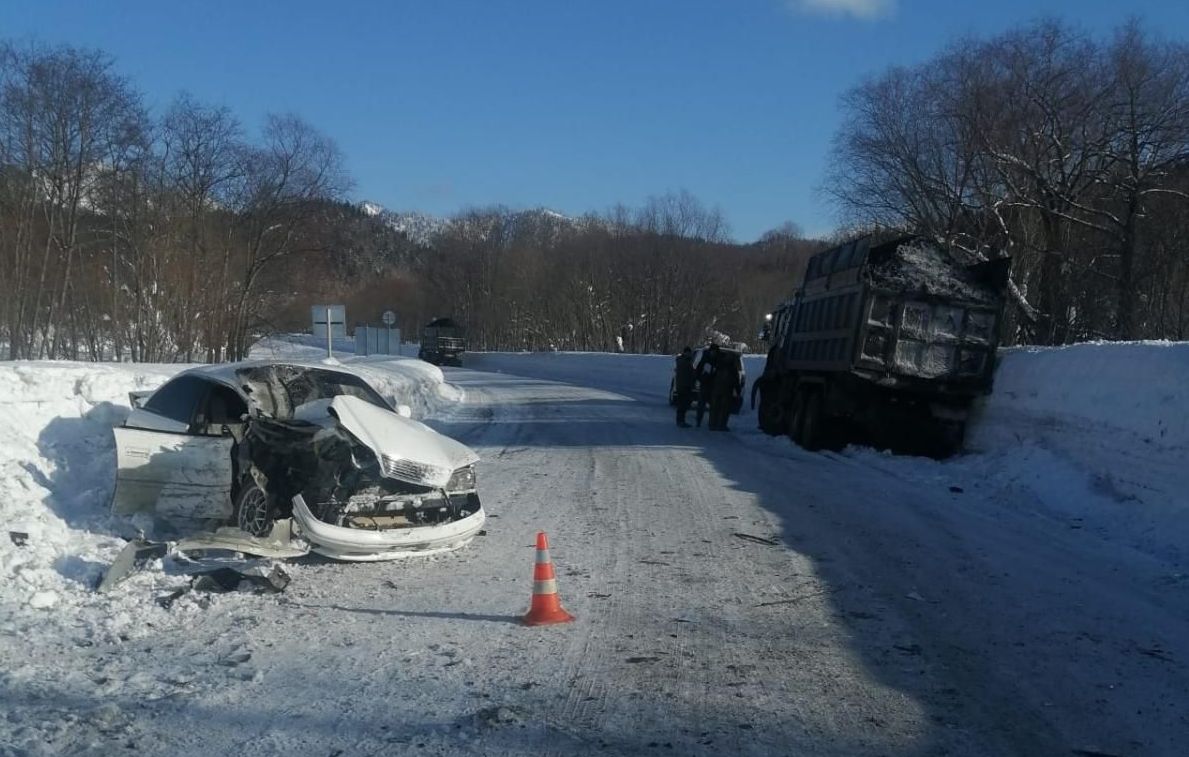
359	545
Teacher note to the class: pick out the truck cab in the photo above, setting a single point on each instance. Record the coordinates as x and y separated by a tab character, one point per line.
442	342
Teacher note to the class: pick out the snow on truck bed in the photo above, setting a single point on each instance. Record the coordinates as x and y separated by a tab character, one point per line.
929	270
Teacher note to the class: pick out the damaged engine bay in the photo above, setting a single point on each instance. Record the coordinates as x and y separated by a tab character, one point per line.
341	480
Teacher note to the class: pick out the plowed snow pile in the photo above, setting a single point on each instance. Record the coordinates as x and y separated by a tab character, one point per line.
1095	434
57	466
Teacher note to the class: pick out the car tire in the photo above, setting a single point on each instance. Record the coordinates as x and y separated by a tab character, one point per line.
254	510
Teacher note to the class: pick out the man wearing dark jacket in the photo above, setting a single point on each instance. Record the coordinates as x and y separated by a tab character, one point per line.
705	378
726	391
683	384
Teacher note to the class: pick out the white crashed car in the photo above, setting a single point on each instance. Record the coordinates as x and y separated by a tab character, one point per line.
253	444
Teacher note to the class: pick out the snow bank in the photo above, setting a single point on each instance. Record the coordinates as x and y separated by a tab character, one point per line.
57	470
1096	434
1136	391
401	379
408	381
1093	435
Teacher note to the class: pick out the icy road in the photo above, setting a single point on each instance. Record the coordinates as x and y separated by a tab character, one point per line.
734	595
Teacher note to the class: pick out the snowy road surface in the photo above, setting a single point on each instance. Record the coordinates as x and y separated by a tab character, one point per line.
734	595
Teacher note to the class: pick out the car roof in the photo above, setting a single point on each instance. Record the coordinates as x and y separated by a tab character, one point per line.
225	373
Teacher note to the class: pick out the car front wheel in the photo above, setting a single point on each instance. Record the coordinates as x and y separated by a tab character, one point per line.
254	513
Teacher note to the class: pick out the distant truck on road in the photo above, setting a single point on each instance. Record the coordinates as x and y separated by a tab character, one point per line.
442	342
885	343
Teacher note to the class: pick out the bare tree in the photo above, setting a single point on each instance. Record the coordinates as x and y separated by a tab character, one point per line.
295	167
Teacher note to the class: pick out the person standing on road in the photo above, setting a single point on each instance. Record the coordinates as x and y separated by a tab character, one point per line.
705	377
683	384
726	391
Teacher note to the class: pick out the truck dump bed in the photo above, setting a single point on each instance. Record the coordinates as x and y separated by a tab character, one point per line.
902	313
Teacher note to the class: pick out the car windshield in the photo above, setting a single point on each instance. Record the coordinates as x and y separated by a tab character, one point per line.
279	389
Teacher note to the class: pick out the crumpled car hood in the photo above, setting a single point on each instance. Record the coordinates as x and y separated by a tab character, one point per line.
406	449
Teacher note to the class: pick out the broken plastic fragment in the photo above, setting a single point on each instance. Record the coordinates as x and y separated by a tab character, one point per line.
134	555
278	544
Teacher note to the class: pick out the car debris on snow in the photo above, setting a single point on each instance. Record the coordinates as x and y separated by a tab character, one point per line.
279	543
218	575
134	555
224	579
19	538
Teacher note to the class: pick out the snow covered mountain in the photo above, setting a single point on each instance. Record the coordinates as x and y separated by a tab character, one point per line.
421	228
371	208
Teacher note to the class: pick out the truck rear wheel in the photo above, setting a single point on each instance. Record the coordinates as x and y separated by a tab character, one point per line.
771	416
796	416
946	439
811	423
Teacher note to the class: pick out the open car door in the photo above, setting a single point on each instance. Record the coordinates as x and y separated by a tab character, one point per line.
173	475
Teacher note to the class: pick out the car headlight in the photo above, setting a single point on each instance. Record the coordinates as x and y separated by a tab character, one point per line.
463	480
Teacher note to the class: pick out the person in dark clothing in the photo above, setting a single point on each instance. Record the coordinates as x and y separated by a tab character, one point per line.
705	378
683	384
726	391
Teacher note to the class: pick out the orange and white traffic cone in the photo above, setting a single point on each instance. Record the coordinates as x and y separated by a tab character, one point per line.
546	608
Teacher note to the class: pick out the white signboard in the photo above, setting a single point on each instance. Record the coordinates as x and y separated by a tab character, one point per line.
332	316
389	318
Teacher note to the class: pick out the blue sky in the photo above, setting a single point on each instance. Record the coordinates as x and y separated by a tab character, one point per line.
574	105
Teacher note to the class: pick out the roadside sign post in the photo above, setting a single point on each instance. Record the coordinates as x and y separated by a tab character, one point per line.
332	319
389	319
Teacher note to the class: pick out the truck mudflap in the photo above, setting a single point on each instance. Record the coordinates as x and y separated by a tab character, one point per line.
363	545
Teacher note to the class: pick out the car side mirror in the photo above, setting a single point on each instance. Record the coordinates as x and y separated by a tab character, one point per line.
404	411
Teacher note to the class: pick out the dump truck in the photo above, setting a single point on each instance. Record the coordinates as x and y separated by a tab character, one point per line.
886	342
442	342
